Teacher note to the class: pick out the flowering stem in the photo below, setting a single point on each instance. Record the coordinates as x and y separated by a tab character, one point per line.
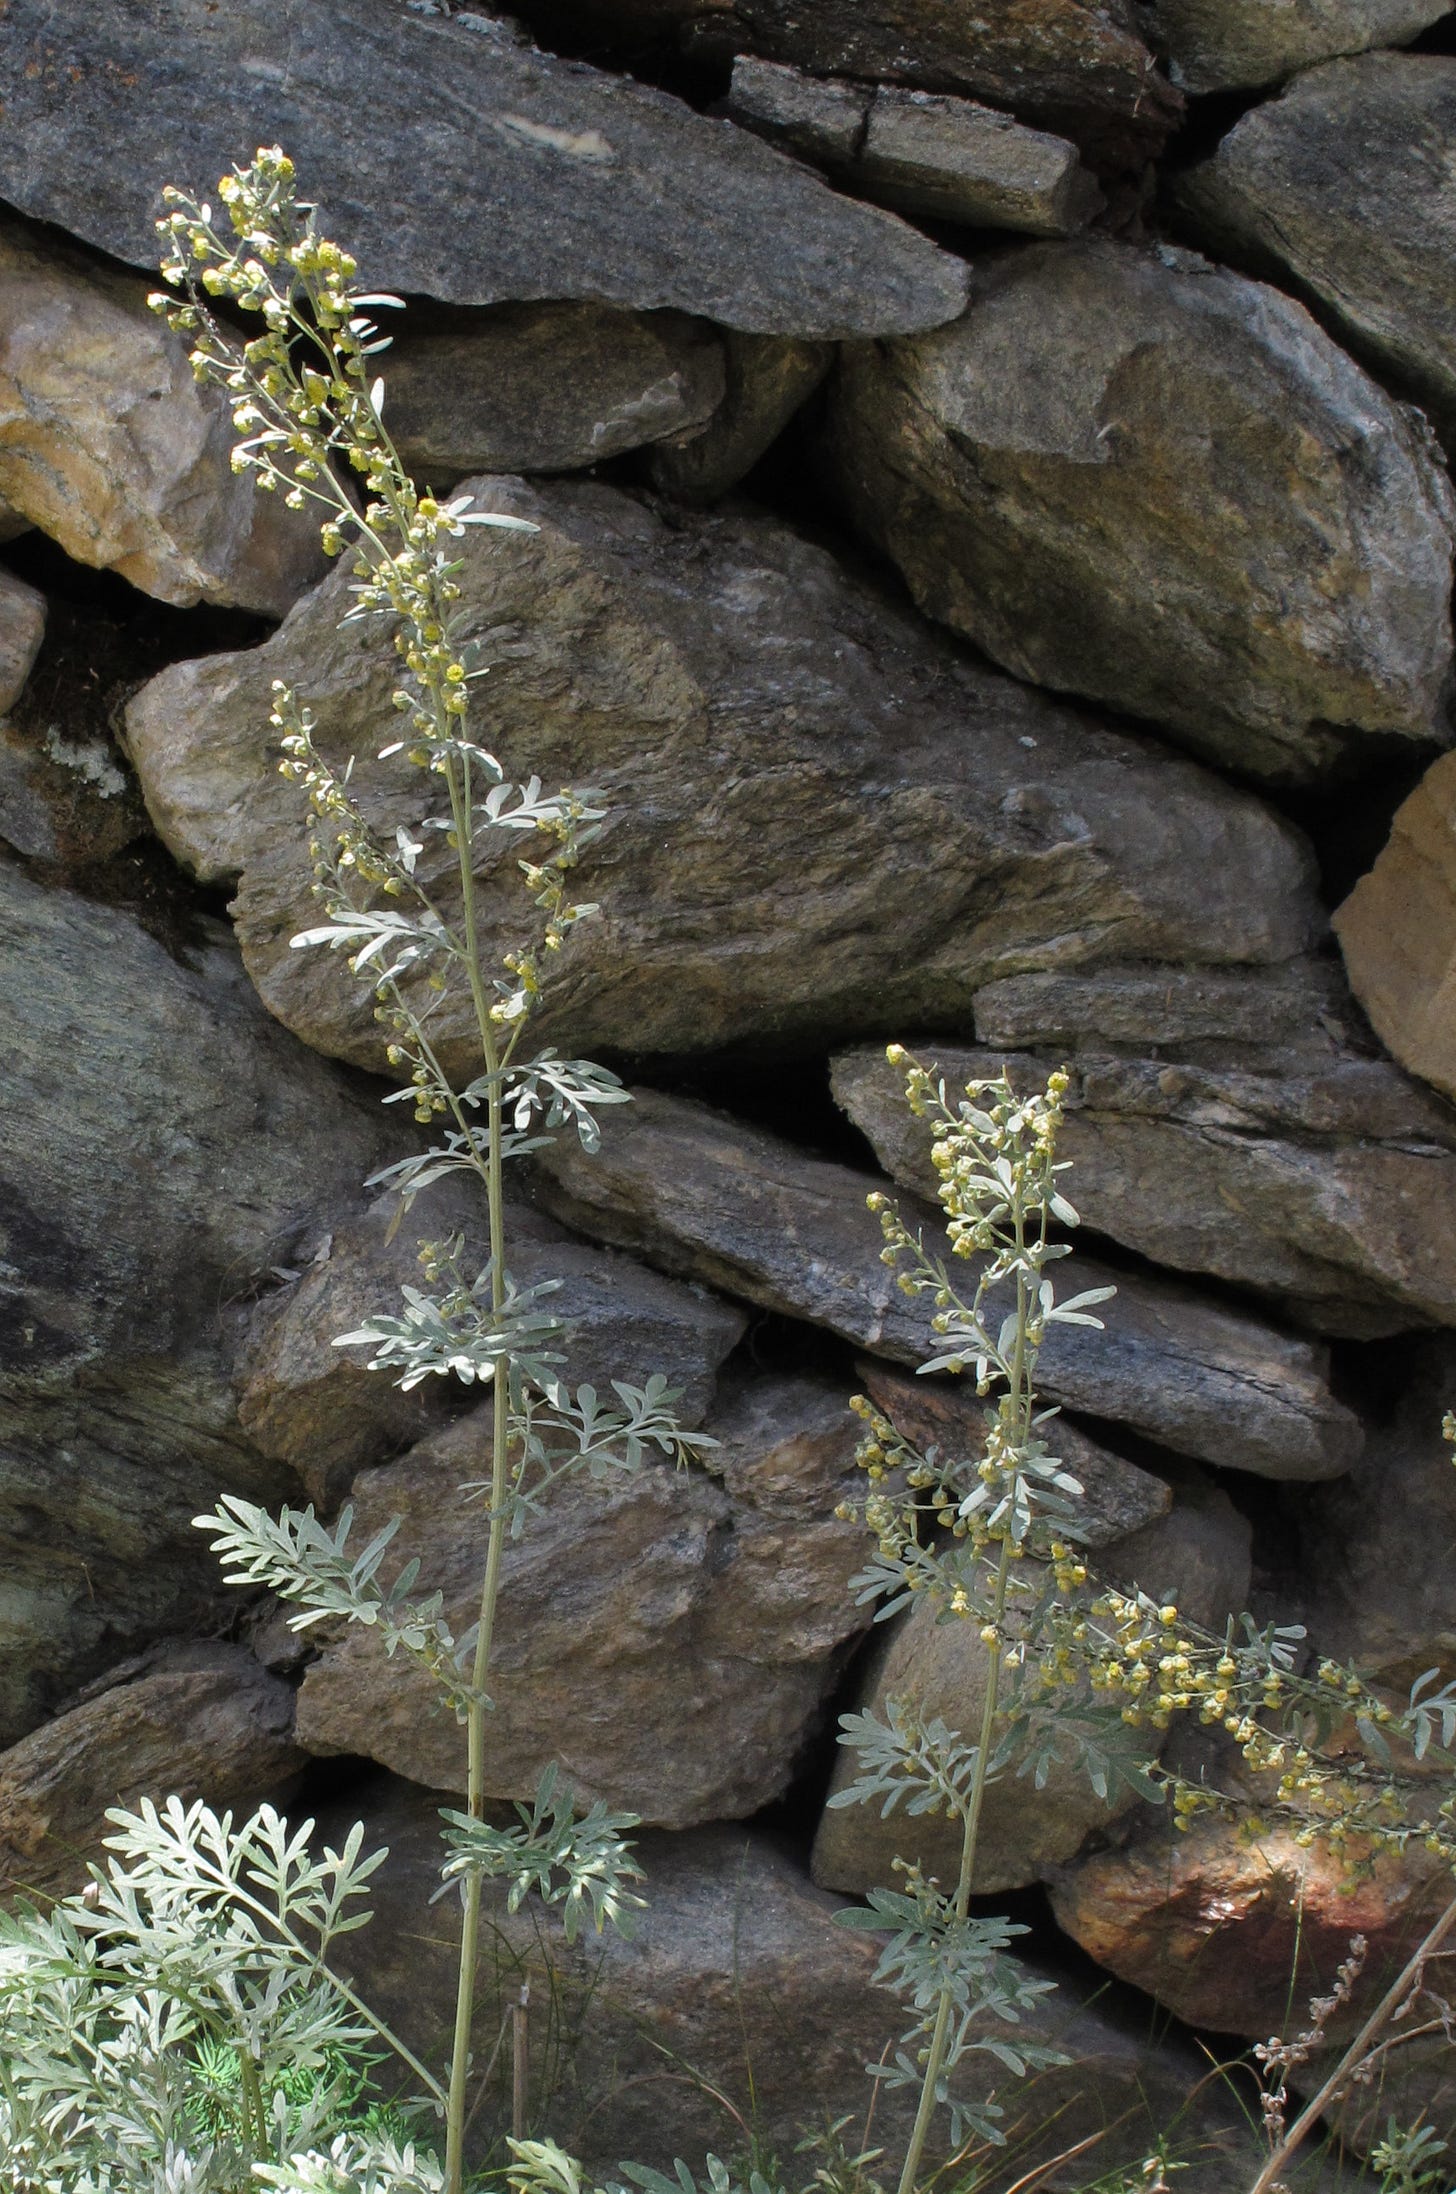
970	1835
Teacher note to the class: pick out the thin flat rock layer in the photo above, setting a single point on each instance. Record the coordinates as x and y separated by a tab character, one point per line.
711	1199
577	184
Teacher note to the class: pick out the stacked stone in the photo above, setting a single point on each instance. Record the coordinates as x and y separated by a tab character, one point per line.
997	571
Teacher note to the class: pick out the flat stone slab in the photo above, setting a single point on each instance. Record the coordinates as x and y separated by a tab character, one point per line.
1290	1161
924	153
714	1200
450	157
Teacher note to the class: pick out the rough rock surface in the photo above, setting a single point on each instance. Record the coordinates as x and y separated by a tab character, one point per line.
667	1643
580	185
1118	1497
1270	1150
1132	475
777	745
940	1669
1397	931
196	1142
307	1403
22	628
1196	1555
1378	1548
547	388
708	1197
1239	45
1414	2084
1075	66
197	1721
1230	1933
768	378
738	1970
1369	240
109	445
927	155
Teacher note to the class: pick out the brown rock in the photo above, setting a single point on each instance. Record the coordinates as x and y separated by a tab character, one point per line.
1397	931
1132	475
709	1198
1197	1555
736	1970
1240	45
533	178
667	1642
547	388
108	444
934	157
22	628
1237	1933
1372	250
775	743
318	1408
194	1721
768	378
940	1670
1118	1498
1284	1159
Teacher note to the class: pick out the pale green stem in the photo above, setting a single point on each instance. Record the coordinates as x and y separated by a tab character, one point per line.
255	2116
935	2060
460	808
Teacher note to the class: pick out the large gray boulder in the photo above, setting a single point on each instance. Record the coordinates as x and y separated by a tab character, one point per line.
737	1970
777	746
476	169
108	444
1369	240
1133	475
187	1720
165	1146
715	1200
1237	1126
665	1638
1241	45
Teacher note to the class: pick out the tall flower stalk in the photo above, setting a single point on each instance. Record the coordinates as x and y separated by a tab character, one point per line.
1087	1675
308	409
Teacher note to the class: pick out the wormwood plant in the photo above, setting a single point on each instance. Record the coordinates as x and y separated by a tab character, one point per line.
203	1936
1076	1672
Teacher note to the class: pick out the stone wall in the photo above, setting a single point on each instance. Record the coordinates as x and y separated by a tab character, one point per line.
993	553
